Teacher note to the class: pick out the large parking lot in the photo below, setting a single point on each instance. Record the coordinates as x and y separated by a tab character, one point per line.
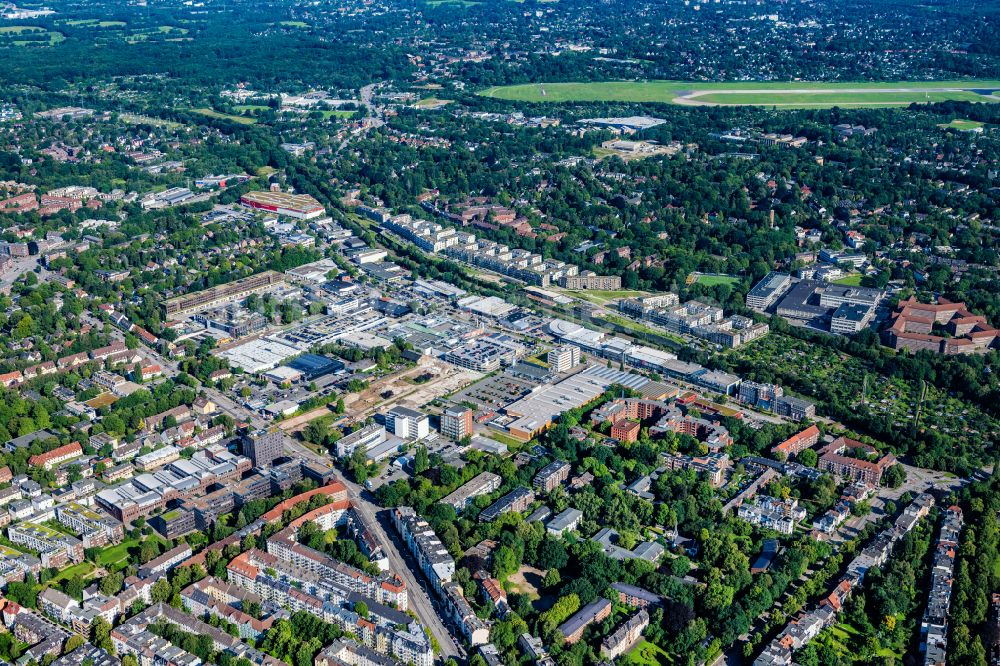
496	391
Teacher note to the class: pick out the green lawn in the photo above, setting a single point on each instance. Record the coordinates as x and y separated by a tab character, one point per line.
204	111
796	94
134	119
83	569
962	124
20	29
112	555
94	23
646	654
295	24
432	103
871	99
462	3
601	297
505	439
713	280
336	113
641	328
850	280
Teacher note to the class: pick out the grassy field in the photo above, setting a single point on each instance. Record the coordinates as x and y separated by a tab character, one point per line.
295	24
113	555
850	280
204	111
432	103
134	119
20	29
845	99
962	124
600	297
337	113
796	94
646	654
9	34
641	329
713	280
83	569
94	23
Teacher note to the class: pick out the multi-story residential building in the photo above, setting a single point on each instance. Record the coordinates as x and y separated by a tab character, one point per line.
483	483
165	562
54	548
625	635
551	476
57	455
636	597
797	443
934	626
912	327
385	588
230	292
95	529
591	280
227	602
760	395
833	460
427	549
625	431
596	611
794	408
713	466
475	630
773	514
386	630
565	521
518	500
456	423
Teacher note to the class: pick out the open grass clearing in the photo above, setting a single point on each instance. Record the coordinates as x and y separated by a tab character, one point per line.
458	3
600	297
295	24
962	124
432	103
788	94
20	29
850	280
83	569
713	280
93	23
134	119
211	113
337	113
646	654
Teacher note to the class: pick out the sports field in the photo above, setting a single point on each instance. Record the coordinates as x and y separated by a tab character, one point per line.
963	125
792	95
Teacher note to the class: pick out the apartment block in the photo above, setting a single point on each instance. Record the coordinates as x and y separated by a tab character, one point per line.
551	476
456	423
482	484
